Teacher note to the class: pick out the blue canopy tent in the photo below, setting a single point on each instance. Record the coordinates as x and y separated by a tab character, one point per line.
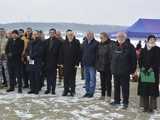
142	28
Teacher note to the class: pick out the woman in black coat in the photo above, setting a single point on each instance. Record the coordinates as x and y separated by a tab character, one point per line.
149	59
69	59
103	65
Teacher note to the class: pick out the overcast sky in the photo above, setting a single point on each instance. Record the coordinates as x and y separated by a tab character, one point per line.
117	12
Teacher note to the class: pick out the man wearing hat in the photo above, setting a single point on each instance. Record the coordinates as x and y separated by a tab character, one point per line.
14	49
3	42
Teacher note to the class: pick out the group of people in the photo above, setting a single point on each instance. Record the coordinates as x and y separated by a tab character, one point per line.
31	59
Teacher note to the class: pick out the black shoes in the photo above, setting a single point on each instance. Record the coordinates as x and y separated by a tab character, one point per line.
125	106
88	95
10	90
36	93
65	93
72	94
47	92
53	92
26	86
148	110
31	92
115	103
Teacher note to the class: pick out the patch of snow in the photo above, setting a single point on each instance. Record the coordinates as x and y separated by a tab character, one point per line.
23	115
116	115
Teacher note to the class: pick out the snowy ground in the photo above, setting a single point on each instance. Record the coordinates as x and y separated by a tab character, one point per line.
15	106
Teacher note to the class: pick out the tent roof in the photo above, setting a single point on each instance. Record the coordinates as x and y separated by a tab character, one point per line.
144	27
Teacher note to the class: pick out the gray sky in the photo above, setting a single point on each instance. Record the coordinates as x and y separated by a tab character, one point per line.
118	12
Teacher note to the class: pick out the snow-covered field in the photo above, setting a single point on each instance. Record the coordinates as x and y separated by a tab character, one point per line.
15	106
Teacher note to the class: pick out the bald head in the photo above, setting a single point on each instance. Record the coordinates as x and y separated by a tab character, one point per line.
121	37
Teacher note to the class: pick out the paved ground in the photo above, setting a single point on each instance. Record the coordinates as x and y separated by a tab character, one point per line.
14	106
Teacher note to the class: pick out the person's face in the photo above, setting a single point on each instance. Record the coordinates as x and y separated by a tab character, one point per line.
21	33
34	35
2	33
29	31
121	38
90	36
52	33
9	35
152	41
58	34
103	39
14	36
42	35
70	36
39	34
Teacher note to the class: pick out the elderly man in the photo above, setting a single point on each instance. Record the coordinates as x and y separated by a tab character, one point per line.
89	50
69	59
3	42
123	63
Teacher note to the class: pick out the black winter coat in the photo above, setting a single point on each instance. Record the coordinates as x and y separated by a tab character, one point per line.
150	59
103	56
35	52
70	54
123	59
89	51
14	49
52	52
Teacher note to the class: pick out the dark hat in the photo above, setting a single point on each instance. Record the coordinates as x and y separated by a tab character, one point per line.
53	29
15	32
151	36
21	30
69	30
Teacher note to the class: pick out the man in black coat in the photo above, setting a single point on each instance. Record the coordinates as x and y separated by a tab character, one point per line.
123	63
14	49
69	59
51	60
34	57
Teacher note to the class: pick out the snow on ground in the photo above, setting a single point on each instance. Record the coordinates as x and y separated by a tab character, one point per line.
15	106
